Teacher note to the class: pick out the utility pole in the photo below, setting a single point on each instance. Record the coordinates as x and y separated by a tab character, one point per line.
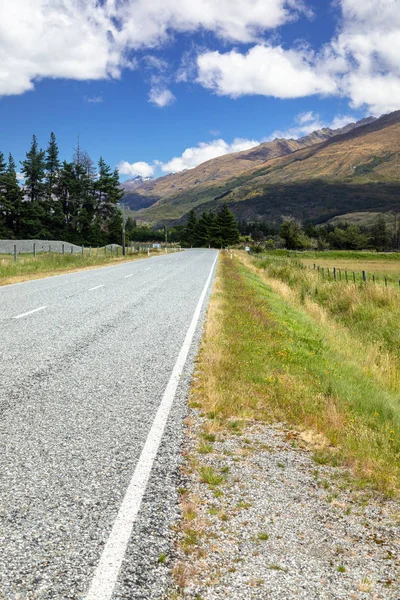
166	234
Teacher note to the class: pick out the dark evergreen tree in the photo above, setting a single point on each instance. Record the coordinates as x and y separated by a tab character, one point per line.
33	168
190	237
203	229
228	230
52	167
14	196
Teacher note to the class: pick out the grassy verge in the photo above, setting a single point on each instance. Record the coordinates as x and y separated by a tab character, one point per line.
267	356
43	265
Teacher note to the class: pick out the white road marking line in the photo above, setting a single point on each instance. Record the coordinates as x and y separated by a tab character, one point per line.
131	275
30	312
106	574
95	288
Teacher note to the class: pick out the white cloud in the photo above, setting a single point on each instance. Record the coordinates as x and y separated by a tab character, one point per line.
92	40
143	169
267	70
20	176
161	96
192	157
365	55
308	122
362	62
94	99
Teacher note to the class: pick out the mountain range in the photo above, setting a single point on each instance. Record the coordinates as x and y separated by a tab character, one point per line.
315	178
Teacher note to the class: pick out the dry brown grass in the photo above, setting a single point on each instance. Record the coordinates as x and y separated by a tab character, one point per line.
43	269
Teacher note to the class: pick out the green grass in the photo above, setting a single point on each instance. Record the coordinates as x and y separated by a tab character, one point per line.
210	476
367	310
265	357
44	264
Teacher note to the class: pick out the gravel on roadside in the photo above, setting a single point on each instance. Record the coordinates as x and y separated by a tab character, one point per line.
279	525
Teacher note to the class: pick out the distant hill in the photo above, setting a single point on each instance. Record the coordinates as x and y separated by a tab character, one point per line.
326	174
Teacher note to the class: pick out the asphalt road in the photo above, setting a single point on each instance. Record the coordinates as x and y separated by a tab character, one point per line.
85	359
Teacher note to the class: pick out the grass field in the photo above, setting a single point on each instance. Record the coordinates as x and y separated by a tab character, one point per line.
326	363
45	264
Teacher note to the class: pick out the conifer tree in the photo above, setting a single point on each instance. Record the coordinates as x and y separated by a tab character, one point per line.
52	166
228	230
14	196
33	168
190	229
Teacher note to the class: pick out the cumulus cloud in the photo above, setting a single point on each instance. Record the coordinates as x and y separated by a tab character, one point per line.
361	62
266	70
143	169
161	97
190	158
94	40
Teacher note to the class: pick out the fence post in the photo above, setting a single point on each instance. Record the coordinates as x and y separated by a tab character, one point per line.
72	249
117	250
90	251
354	277
364	273
328	273
385	281
83	250
315	266
340	274
346	276
373	277
334	273
49	248
63	249
34	250
15	252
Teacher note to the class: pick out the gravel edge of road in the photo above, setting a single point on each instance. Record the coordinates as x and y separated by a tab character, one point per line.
279	525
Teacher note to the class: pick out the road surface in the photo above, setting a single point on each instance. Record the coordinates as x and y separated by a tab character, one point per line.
91	363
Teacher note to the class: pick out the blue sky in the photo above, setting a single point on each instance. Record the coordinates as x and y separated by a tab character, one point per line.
155	86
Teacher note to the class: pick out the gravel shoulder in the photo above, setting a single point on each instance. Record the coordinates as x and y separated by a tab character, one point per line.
279	525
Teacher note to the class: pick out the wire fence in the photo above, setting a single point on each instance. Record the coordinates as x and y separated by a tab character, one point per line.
350	276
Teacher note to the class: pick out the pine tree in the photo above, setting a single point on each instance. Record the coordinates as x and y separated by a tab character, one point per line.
190	237
203	229
14	196
228	230
52	166
33	168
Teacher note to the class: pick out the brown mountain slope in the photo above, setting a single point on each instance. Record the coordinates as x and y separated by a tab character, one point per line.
355	171
225	167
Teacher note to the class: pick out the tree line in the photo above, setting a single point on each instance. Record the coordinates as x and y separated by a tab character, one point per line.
76	201
382	235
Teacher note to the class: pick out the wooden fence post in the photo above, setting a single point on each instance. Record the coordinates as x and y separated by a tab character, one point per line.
15	252
364	274
34	250
63	249
334	273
